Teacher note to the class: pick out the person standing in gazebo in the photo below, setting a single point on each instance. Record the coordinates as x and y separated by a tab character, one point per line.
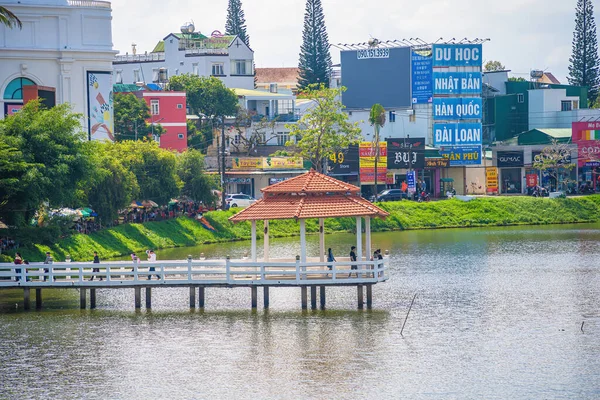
352	258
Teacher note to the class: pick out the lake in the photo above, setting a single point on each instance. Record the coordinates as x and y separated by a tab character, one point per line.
498	315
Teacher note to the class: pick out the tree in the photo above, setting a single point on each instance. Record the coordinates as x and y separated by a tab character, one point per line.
51	143
315	59
515	79
555	160
324	129
491	66
251	135
584	60
197	185
377	120
236	22
131	114
9	19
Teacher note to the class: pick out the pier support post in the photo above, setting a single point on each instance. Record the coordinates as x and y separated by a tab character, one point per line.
192	297
38	299
361	303
254	291
82	295
266	296
304	296
92	298
322	293
369	297
313	297
26	298
148	297
138	297
201	297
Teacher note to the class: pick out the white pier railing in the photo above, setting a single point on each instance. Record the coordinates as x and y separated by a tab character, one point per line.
193	272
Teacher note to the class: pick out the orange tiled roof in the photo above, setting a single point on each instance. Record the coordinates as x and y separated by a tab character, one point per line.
277	75
287	206
311	182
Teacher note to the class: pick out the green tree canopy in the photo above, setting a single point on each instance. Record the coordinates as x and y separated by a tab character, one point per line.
324	129
131	114
197	184
491	66
236	22
315	59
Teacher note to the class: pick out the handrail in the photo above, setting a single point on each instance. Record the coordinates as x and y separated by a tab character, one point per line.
89	3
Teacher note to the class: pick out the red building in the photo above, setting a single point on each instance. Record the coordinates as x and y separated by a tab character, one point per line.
169	110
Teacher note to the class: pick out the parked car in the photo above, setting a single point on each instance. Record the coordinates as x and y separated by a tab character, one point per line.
239	200
390	195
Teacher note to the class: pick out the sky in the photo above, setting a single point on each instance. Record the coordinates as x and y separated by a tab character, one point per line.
524	34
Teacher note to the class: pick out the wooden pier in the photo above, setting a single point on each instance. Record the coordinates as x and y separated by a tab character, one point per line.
197	275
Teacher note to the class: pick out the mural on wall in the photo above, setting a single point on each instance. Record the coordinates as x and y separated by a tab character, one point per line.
100	106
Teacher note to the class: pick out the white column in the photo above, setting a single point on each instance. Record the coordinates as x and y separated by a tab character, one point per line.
266	241
359	253
322	239
253	241
368	237
303	240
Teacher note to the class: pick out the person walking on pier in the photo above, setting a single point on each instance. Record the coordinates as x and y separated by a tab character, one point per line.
18	261
152	259
48	260
96	261
352	258
330	258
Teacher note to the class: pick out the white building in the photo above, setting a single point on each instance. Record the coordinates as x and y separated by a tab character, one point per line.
189	52
552	108
66	45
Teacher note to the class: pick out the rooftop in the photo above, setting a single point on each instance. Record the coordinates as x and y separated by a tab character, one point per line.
311	182
277	75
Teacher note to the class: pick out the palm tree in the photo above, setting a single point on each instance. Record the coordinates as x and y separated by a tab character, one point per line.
9	19
377	119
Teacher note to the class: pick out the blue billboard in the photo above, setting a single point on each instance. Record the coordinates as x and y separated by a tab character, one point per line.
421	68
456	83
457	55
462	155
456	108
456	134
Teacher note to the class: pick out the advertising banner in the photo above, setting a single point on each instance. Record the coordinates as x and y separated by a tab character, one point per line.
510	159
436	163
422	92
344	162
408	153
255	163
462	155
100	106
366	152
454	83
532	180
456	134
457	108
410	179
457	55
249	163
491	179
585	131
588	153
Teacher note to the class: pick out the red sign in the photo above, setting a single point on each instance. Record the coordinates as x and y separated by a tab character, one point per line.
588	153
532	180
367	175
585	131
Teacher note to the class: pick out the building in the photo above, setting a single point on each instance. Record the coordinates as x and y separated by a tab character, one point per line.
285	79
189	52
65	46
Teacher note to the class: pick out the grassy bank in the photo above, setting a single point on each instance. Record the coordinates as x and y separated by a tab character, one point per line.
492	211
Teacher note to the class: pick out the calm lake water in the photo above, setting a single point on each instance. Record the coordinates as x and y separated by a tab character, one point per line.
498	315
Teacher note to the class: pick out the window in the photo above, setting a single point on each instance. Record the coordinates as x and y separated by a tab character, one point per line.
520	98
392	116
154	74
217	69
119	76
241	67
282	138
285	106
566	105
179	106
14	90
136	76
180	136
575	104
154	108
195	69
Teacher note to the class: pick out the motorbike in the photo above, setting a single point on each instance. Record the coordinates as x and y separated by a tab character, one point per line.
539	191
586	189
423	197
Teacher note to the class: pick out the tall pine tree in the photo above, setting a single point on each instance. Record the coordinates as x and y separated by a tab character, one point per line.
583	70
315	59
236	22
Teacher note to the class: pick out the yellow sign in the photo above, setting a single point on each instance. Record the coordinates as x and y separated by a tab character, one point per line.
256	163
491	179
247	163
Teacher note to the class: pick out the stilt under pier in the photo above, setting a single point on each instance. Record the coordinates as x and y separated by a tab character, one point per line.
313	297
26	298
138	297
192	297
266	296
201	297
38	299
82	301
148	297
361	303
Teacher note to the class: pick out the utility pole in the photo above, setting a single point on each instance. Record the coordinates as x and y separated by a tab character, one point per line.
223	162
376	157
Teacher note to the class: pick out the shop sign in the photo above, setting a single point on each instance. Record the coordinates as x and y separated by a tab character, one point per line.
538	156
436	163
406	153
389	178
422	91
532	180
344	162
273	181
491	179
456	83
588	153
410	179
585	131
457	55
238	180
510	159
462	155
367	152
247	163
457	134
457	108
255	163
373	53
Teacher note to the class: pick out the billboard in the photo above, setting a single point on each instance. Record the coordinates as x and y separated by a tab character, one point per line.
491	179
457	134
255	163
457	108
366	151
510	159
421	67
100	106
456	83
588	153
585	131
376	76
406	153
462	155
344	162
457	55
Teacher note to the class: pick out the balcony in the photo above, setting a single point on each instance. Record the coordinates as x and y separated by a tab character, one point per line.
136	58
205	50
276	118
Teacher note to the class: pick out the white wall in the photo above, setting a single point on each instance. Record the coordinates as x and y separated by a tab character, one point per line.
545	107
497	80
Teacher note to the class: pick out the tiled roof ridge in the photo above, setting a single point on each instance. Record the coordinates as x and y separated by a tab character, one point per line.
299	208
310	177
359	200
